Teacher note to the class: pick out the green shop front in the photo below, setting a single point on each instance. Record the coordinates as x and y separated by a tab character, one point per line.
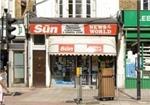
130	31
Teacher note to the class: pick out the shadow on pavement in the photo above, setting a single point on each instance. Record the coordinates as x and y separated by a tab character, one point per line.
126	94
13	94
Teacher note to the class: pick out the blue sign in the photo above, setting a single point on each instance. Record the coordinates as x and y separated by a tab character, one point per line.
131	70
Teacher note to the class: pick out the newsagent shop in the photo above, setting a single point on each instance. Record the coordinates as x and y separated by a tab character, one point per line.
58	46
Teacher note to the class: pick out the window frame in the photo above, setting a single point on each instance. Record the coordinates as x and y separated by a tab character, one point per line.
70	4
85	8
37	42
60	3
145	2
88	4
80	4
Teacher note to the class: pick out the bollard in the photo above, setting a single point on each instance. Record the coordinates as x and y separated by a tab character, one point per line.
79	85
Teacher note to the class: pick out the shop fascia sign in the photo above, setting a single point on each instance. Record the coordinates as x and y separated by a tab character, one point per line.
70	48
74	29
20	30
130	18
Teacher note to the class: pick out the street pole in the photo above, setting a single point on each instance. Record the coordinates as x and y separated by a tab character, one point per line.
2	28
1	43
7	48
138	52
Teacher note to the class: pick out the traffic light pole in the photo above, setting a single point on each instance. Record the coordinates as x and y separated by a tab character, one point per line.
9	29
2	28
7	44
7	48
138	52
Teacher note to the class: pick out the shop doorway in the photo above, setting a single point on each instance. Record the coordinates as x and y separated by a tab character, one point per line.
39	68
19	73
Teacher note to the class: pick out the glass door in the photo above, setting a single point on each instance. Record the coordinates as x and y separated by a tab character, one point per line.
18	67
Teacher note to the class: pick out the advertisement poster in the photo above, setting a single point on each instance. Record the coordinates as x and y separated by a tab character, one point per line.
131	65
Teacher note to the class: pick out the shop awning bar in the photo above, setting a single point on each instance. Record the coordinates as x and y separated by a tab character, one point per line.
73	20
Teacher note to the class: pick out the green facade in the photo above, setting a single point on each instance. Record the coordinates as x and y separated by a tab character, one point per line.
130	18
134	35
131	83
130	27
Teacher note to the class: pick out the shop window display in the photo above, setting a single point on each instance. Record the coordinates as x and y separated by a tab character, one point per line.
63	70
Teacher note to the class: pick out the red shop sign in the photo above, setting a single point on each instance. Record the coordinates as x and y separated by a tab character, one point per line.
45	28
95	48
66	48
100	29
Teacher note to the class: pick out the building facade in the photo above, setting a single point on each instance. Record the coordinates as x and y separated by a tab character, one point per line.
71	34
127	53
49	49
14	57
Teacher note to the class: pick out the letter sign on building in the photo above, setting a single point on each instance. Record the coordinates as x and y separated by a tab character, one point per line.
74	29
45	28
66	48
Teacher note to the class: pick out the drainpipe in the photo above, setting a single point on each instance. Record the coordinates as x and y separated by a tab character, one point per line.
26	25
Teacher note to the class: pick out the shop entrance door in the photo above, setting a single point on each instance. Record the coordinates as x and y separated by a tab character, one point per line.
89	65
39	68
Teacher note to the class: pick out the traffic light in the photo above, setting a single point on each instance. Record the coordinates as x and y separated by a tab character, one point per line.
9	27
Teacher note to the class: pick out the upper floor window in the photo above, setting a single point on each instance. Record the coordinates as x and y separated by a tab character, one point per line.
88	10
74	8
39	39
78	8
60	8
145	4
70	8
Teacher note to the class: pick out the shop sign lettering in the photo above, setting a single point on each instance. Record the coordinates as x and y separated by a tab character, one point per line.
74	29
101	29
69	48
145	18
95	48
45	28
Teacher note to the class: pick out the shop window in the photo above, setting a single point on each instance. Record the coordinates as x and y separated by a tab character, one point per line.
131	59
39	39
63	69
131	56
106	62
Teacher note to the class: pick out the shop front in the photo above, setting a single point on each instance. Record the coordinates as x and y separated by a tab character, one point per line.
68	46
69	52
131	48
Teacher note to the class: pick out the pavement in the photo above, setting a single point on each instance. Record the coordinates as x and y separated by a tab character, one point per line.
67	96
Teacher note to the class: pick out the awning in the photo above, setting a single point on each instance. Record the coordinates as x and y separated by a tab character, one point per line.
73	20
82	45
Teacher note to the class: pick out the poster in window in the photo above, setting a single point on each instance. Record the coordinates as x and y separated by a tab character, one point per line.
130	69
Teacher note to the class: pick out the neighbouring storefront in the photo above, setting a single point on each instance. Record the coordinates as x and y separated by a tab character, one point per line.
130	29
71	43
14	58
